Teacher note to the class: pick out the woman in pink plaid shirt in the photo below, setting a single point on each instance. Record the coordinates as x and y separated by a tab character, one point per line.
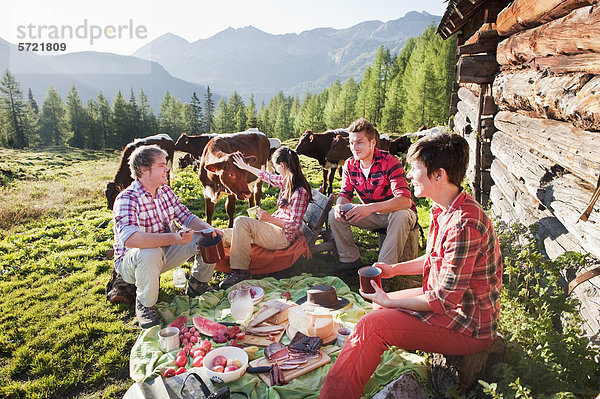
276	231
456	311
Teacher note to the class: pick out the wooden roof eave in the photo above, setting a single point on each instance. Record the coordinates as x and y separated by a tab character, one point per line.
457	15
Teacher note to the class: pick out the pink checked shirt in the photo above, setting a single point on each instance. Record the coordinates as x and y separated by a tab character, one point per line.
462	275
291	213
136	210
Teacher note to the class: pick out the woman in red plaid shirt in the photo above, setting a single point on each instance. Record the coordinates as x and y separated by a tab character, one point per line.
276	231
456	311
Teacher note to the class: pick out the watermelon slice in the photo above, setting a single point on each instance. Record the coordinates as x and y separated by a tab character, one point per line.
179	322
208	327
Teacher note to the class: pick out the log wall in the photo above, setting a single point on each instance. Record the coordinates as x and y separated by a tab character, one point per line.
534	125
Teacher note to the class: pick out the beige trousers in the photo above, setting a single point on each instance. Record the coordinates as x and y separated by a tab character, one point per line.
143	267
248	231
398	224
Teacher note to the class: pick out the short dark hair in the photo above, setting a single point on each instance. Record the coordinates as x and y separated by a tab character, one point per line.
144	157
363	125
442	151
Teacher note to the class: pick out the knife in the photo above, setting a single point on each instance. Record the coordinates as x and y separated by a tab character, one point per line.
259	369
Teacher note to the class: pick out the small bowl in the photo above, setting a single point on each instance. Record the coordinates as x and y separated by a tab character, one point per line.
229	352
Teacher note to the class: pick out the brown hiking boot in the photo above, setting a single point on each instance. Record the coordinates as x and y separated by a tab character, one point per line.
146	316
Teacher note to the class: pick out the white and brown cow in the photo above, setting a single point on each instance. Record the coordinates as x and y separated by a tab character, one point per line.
220	176
123	177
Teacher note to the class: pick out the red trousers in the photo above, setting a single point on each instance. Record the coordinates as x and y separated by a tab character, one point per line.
378	330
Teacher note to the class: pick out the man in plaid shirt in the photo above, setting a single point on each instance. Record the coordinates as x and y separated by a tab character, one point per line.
145	247
379	180
456	311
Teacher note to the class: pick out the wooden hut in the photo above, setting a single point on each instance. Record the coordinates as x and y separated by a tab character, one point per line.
527	98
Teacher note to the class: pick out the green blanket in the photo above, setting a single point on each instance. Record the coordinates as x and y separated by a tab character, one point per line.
147	359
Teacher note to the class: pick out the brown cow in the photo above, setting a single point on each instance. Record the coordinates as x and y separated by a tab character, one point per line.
193	144
123	177
316	145
220	176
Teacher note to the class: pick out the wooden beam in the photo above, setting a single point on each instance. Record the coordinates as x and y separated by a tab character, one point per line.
576	33
478	68
571	97
574	149
586	63
526	14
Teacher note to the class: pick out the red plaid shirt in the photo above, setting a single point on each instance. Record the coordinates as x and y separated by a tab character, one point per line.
291	213
386	179
136	210
462	275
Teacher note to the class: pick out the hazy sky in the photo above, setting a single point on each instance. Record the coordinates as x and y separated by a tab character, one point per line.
122	26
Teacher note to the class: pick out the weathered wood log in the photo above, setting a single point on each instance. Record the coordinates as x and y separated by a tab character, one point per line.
485	40
587	63
525	163
469	111
461	126
566	196
576	33
526	14
570	97
450	372
574	149
478	68
512	203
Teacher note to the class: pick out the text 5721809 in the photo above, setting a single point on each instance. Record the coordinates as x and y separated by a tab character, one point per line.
42	46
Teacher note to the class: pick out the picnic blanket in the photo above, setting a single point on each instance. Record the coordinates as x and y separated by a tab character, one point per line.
147	359
264	261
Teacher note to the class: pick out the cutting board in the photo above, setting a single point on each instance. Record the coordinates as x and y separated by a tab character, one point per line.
262	341
289	375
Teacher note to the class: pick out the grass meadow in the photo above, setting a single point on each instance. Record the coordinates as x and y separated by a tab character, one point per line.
59	336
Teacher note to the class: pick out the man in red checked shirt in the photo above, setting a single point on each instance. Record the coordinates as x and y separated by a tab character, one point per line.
379	180
144	244
456	311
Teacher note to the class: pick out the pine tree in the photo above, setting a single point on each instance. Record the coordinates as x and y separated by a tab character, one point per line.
283	128
251	118
209	111
170	116
222	120
237	110
332	116
120	122
148	125
13	106
311	115
264	120
195	123
360	108
95	133
31	101
76	123
52	119
105	122
345	106
134	120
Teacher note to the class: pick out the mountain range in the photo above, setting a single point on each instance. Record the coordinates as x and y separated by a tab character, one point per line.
251	61
245	59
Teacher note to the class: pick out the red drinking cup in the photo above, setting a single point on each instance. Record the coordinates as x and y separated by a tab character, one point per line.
367	274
